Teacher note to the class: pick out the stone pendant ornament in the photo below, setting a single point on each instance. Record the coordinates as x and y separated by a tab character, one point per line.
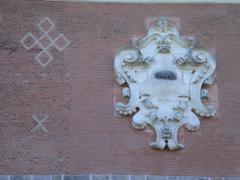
162	75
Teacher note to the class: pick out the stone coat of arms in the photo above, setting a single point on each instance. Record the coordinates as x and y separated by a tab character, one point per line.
162	75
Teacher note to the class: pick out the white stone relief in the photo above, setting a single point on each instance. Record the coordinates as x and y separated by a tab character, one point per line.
162	75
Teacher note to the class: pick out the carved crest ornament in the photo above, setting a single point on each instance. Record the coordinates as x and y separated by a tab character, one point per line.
162	74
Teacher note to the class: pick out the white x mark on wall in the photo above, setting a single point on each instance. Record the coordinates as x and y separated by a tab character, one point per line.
39	123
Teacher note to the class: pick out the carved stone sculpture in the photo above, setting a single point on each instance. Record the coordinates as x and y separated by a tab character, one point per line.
162	75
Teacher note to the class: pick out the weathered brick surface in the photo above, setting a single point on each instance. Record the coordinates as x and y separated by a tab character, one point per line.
116	177
76	90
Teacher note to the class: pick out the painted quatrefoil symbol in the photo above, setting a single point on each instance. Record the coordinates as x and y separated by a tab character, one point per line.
45	42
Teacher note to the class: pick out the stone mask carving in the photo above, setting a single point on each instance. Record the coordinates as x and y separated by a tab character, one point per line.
162	74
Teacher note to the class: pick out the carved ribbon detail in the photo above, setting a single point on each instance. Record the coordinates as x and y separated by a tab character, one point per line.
163	75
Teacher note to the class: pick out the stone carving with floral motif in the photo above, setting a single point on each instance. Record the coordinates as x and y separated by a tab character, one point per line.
162	75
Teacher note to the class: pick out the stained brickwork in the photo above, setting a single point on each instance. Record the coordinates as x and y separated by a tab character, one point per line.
76	91
112	177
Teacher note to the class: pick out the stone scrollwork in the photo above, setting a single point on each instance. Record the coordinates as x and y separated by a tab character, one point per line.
162	75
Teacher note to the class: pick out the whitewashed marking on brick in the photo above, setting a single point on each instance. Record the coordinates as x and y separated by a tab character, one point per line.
39	123
90	177
53	42
43	74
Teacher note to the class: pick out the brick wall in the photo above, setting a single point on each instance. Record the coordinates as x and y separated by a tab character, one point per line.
75	92
112	177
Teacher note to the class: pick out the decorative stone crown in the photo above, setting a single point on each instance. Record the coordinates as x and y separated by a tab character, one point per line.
162	75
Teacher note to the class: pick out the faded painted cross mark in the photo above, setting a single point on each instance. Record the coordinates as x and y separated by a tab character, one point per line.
39	123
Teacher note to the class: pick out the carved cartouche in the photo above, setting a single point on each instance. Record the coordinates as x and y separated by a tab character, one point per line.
164	75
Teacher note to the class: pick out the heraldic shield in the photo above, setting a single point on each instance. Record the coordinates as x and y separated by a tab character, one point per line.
162	74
